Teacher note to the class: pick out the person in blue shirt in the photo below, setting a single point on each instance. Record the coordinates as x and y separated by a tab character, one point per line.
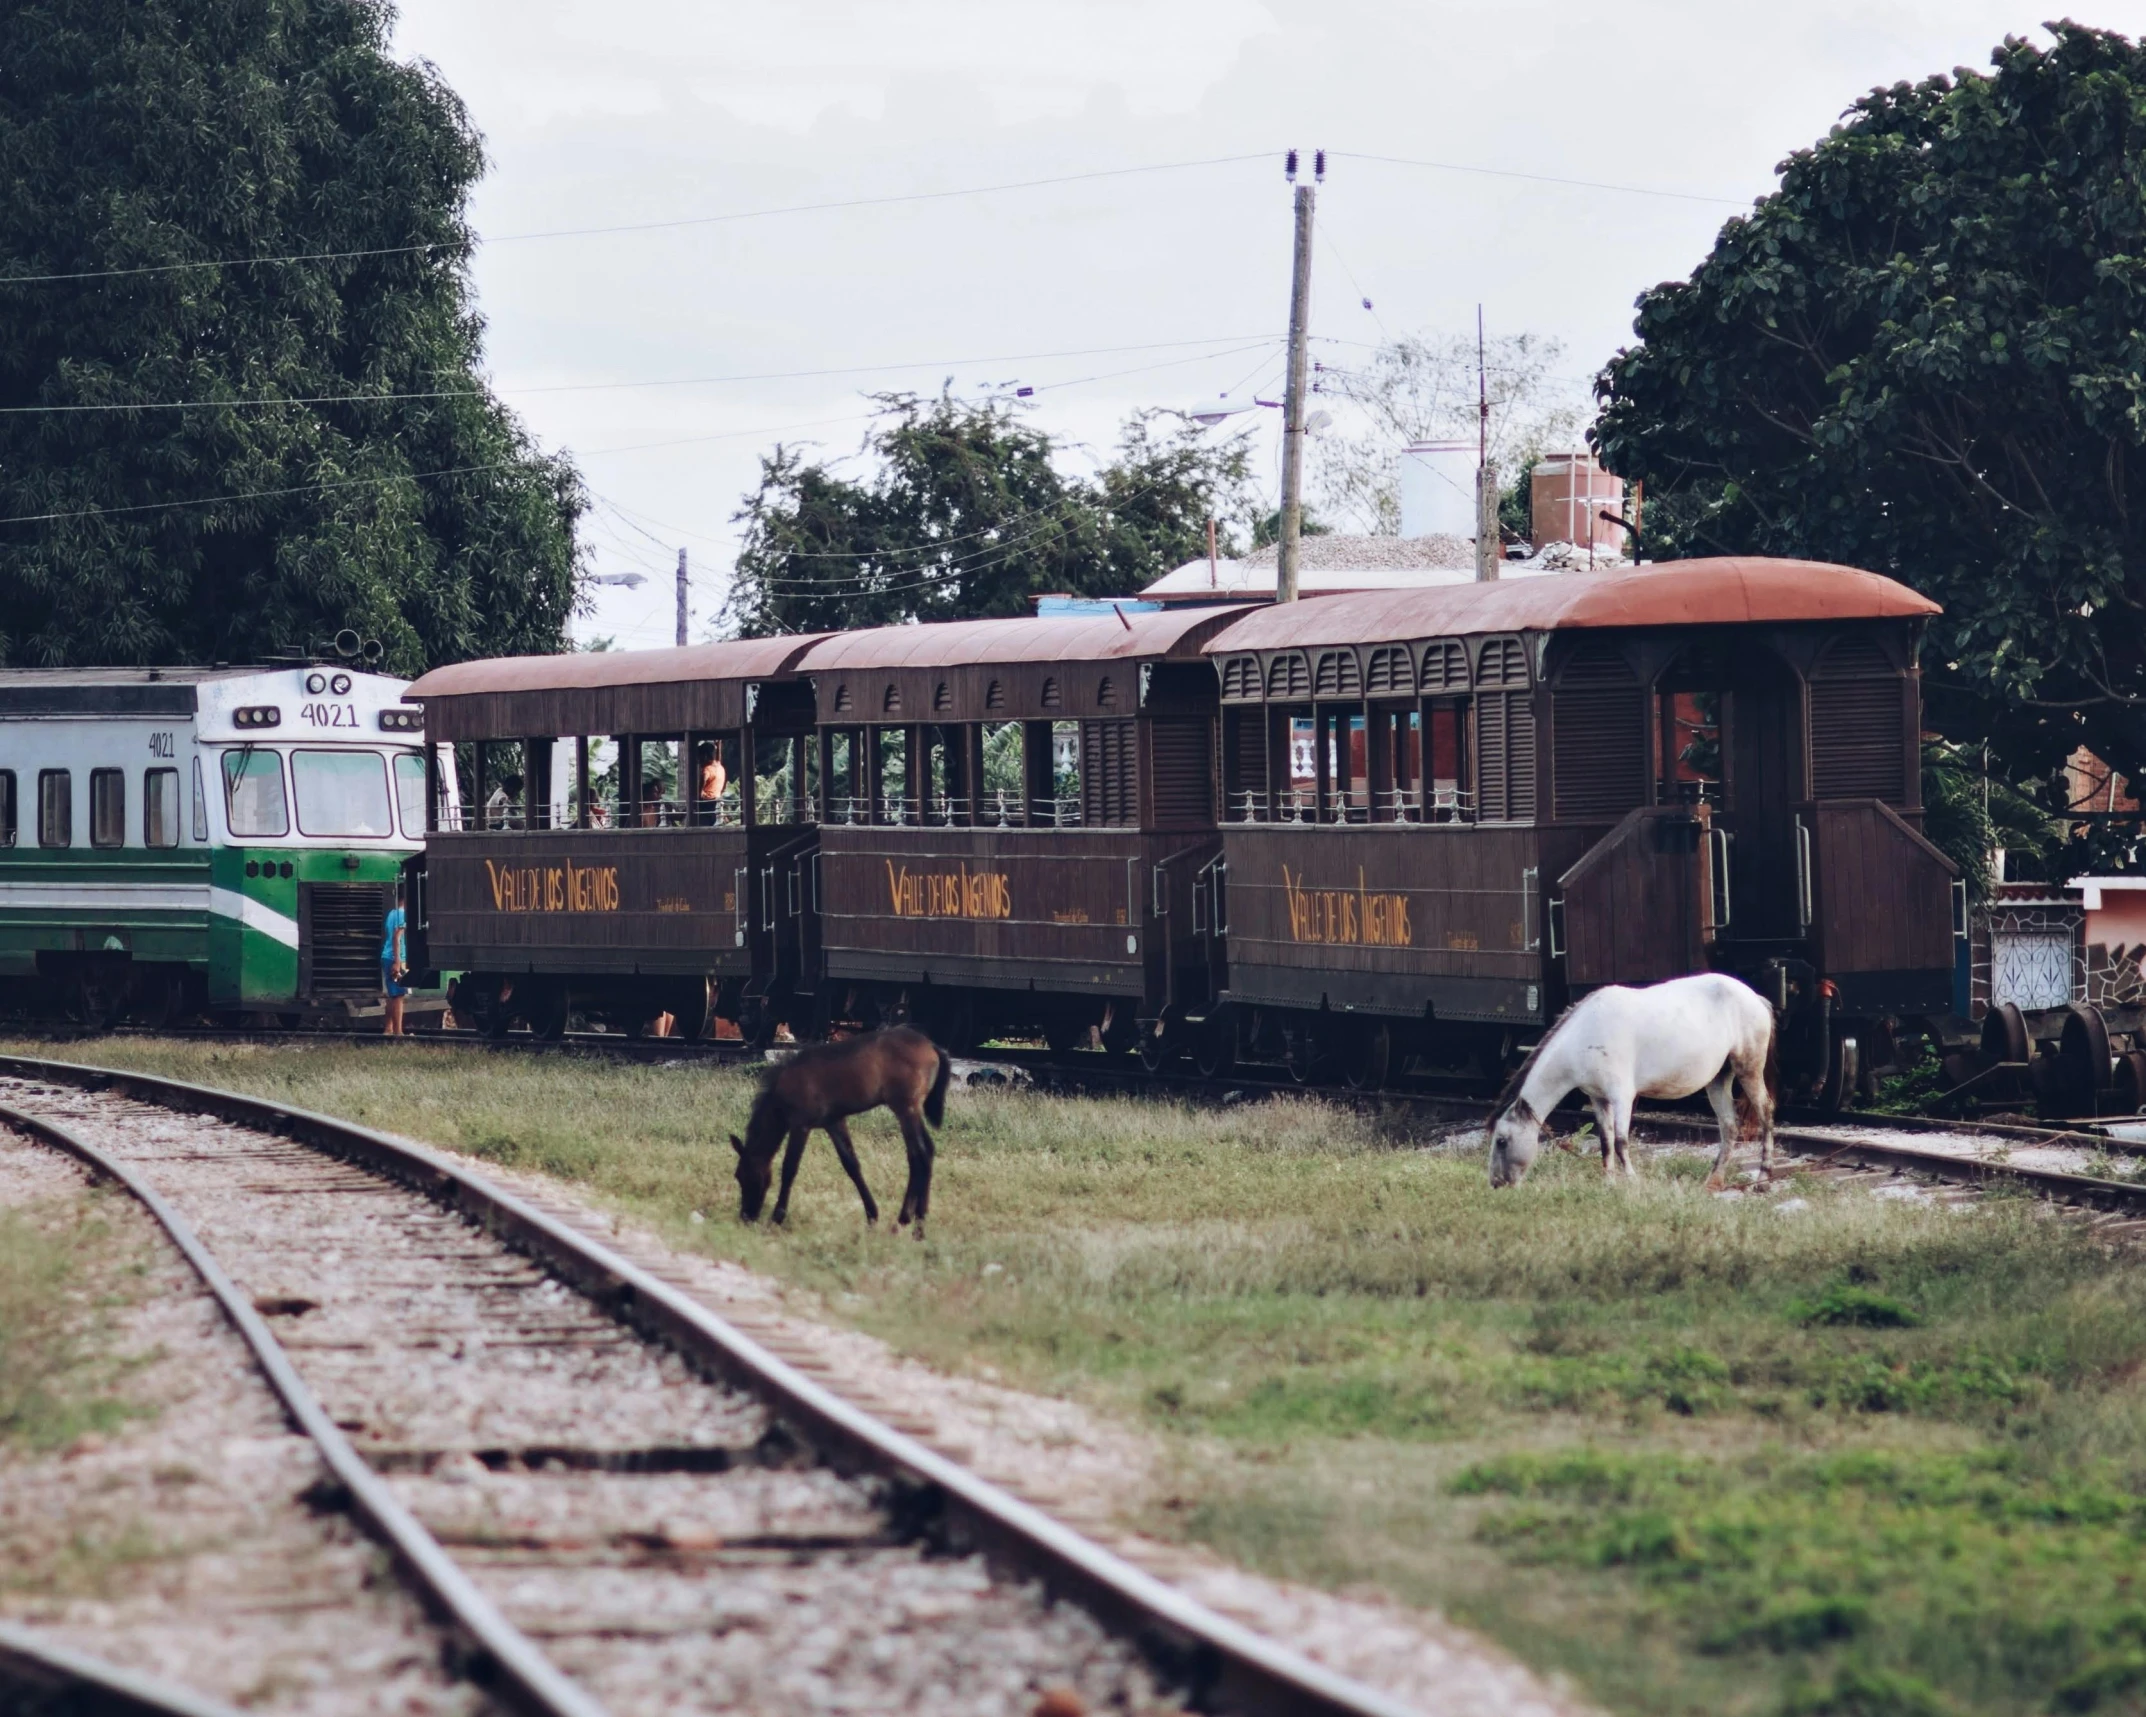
394	966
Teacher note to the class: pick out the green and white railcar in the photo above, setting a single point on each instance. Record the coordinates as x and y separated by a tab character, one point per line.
227	840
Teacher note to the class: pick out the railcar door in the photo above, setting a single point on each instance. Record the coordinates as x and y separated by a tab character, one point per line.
1730	721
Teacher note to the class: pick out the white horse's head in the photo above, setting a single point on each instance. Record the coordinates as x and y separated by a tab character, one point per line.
1515	1137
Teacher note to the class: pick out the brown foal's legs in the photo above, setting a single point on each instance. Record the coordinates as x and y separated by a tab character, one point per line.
838	1132
791	1157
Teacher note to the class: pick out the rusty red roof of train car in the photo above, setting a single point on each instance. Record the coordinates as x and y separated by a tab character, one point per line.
581	670
1117	636
1730	591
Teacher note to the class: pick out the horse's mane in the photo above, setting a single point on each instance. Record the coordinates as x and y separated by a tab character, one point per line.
1511	1094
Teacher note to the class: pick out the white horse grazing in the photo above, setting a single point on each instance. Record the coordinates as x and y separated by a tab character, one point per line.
1616	1045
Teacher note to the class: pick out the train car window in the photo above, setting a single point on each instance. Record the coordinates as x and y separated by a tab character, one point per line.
254	804
410	793
107	807
160	807
55	808
342	794
1063	807
1448	798
1004	774
7	807
896	803
1301	801
201	805
1244	762
662	802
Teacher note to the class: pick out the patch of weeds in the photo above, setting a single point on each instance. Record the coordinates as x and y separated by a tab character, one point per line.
2111	1683
1869	1693
1919	1081
1845	1305
60	1267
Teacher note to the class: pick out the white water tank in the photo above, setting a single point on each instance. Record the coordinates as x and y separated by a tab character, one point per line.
1438	489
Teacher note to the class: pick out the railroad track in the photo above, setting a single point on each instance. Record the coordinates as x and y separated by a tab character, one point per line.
607	1497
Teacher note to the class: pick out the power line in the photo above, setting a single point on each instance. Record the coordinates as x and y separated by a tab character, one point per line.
635	226
1542	178
602	387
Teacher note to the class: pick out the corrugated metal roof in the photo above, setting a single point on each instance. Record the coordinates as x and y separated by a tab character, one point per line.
1723	592
580	670
1070	638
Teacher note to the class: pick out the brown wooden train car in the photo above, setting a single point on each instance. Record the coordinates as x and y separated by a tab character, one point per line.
1019	822
1449	810
631	838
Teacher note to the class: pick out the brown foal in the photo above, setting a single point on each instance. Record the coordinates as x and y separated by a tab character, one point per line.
822	1087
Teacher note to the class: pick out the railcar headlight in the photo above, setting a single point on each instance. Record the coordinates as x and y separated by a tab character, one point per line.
258	715
316	684
340	685
402	720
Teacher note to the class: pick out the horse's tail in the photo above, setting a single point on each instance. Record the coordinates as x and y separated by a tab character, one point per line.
1746	1116
935	1104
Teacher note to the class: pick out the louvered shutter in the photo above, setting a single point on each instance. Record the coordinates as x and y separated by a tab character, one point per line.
1600	740
1182	748
1856	730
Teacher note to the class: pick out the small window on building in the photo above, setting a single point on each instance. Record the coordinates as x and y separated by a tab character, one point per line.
1106	694
55	808
942	698
7	807
201	805
842	697
890	702
160	807
1052	697
995	695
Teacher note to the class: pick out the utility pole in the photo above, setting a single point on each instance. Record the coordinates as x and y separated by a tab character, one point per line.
681	597
1285	574
1486	480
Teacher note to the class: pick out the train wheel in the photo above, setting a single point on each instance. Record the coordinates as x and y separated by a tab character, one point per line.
1368	1057
2083	1049
161	998
1836	1086
1300	1052
93	1000
1159	1047
547	1018
2004	1035
1121	1032
1214	1052
2129	1095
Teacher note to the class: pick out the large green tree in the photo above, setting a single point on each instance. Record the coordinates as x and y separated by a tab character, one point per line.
1925	354
333	458
960	510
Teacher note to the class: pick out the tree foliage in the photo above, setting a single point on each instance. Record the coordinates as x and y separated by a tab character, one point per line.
144	142
962	511
1423	387
1925	354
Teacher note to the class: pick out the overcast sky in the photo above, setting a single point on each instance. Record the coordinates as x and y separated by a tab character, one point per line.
1106	294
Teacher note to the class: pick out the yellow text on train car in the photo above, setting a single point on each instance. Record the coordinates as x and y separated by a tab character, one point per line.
1354	915
553	887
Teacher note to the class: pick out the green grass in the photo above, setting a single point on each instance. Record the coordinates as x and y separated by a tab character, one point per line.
62	1269
1701	1455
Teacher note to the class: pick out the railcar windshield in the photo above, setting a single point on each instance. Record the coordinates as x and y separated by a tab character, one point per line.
342	794
410	792
254	804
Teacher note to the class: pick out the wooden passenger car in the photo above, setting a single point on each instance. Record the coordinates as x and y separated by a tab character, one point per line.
1018	816
1447	811
590	870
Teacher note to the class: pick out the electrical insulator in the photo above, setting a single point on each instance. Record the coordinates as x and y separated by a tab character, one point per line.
1289	167
1318	165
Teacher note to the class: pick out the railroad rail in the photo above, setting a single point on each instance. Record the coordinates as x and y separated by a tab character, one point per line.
1209	1660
